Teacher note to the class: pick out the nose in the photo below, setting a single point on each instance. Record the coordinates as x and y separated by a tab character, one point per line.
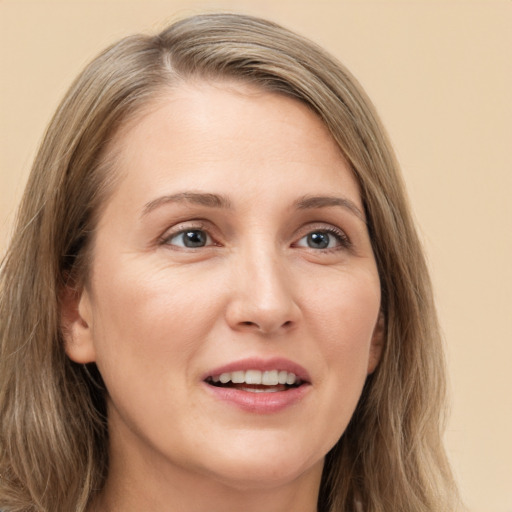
262	295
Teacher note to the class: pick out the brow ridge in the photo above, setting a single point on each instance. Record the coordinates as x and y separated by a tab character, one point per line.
200	198
219	201
311	202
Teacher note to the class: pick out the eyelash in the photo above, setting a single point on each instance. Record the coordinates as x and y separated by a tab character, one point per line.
340	236
181	230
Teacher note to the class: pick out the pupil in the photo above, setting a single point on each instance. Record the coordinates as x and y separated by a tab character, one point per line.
318	240
194	238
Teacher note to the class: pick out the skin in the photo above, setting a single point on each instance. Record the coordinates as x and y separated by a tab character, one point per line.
157	316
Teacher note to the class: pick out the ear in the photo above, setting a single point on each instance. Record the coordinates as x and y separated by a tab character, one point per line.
75	324
377	343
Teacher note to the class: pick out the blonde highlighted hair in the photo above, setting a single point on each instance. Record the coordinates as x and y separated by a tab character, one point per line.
53	432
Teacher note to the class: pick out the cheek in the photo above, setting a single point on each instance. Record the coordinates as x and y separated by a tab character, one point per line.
343	314
150	321
148	327
345	308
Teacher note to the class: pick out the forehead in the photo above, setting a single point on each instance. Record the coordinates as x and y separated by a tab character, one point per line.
219	135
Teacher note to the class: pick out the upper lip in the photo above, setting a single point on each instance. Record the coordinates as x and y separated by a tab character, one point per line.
255	363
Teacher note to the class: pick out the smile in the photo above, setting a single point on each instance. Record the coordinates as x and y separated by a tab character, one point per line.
256	381
257	398
261	386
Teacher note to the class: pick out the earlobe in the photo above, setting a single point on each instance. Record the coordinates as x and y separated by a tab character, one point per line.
75	324
377	343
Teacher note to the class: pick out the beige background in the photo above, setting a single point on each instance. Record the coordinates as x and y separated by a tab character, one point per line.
440	75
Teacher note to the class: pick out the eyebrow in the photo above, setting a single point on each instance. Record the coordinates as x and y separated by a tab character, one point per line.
199	198
219	201
310	202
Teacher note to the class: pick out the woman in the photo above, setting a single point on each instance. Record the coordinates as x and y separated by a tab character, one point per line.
215	297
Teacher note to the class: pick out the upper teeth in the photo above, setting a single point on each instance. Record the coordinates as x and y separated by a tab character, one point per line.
267	378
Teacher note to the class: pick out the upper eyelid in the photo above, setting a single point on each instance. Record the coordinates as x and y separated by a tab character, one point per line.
321	226
213	232
185	225
339	235
182	227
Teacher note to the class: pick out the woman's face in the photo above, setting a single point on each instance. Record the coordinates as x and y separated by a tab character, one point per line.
234	296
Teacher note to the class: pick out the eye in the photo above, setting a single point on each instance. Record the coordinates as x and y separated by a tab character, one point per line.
190	238
324	239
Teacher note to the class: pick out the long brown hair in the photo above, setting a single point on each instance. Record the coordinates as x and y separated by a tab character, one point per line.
53	433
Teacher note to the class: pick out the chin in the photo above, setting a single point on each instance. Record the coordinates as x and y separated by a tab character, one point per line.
264	469
257	479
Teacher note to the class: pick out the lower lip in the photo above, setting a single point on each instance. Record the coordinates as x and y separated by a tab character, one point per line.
259	403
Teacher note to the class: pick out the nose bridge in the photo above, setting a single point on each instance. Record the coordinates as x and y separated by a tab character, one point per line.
264	297
267	276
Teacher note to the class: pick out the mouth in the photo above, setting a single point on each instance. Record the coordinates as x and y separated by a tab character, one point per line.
256	381
259	386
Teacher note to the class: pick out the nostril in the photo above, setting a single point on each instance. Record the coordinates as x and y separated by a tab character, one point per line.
256	325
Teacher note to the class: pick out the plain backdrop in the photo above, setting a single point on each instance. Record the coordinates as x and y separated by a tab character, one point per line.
439	73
